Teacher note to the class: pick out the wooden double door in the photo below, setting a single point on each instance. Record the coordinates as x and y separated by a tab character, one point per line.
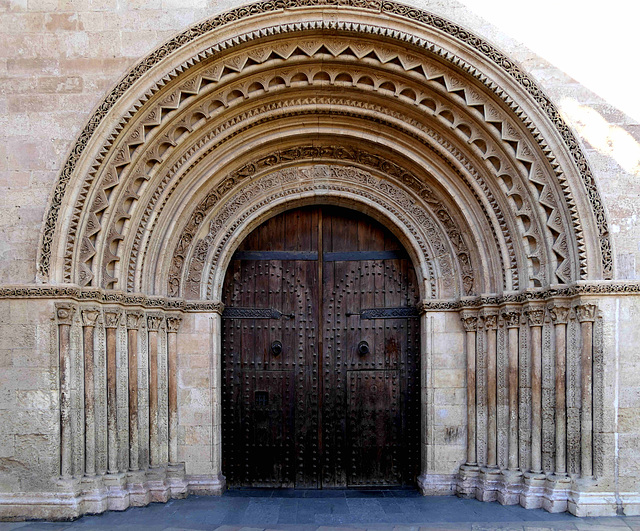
321	353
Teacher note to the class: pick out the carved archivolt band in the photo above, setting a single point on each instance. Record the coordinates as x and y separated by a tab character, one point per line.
526	178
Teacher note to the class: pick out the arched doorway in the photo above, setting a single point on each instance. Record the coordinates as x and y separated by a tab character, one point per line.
321	354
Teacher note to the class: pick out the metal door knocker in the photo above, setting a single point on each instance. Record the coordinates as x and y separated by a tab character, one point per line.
276	348
363	348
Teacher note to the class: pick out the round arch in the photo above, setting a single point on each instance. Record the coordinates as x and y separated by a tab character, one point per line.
402	87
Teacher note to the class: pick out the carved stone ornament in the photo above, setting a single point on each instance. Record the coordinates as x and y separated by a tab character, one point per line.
134	147
535	315
133	320
490	320
559	313
112	317
64	313
469	321
173	323
586	312
511	317
154	321
90	316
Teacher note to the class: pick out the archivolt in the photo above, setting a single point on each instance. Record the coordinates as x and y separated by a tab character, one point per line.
496	154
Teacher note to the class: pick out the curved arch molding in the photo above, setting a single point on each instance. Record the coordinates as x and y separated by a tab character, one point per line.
470	126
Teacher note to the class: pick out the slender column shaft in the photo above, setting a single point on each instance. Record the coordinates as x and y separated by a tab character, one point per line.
153	323
89	318
536	319
173	323
560	315
470	323
133	320
586	316
536	399
492	416
111	318
512	322
64	314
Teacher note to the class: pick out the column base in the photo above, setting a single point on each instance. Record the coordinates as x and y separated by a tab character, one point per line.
467	481
532	490
176	480
207	485
489	483
511	482
94	495
556	493
437	484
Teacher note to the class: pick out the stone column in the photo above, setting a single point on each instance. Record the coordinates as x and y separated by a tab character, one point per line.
133	322
536	320
490	325
512	322
470	323
586	314
89	319
64	315
173	324
111	319
560	316
153	324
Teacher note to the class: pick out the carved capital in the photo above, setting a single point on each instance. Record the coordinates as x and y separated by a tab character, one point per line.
64	313
535	315
559	313
511	317
133	320
586	312
490	320
469	321
422	307
90	316
173	323
112	317
154	321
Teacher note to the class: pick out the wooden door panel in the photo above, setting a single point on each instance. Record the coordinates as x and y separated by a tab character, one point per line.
337	402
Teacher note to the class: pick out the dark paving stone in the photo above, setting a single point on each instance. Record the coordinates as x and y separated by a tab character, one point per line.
248	493
324	493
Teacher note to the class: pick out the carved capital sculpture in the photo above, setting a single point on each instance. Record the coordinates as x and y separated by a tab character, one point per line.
535	315
511	317
154	321
469	321
133	320
559	313
490	320
586	312
90	316
112	317
173	323
65	312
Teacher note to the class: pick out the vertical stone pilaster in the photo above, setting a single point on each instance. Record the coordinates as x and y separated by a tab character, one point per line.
470	323
111	320
64	315
560	316
173	324
133	323
512	322
490	325
89	319
535	317
216	355
586	314
153	324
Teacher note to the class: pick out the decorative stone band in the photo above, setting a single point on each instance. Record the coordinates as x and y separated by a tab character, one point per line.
550	361
79	294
